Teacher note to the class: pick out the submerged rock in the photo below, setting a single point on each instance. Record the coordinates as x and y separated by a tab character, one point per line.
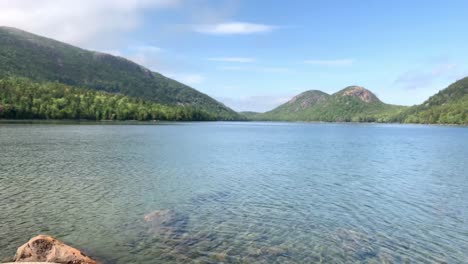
166	223
48	249
164	215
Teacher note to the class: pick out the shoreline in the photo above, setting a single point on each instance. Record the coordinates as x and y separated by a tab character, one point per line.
159	122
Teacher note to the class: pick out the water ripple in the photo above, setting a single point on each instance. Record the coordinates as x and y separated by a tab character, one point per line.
239	193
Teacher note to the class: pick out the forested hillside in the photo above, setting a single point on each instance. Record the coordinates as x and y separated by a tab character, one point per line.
449	106
40	59
47	79
21	98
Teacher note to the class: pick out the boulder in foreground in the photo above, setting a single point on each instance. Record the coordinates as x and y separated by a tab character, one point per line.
48	249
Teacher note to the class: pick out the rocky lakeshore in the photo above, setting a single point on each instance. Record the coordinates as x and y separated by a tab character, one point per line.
43	248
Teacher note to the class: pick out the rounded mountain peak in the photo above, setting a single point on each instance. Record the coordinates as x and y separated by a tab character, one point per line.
359	92
308	98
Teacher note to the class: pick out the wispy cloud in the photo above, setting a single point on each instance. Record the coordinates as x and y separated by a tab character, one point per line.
340	62
233	59
233	28
88	23
421	78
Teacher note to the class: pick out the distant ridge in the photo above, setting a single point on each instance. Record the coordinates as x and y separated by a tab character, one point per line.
41	59
357	104
29	62
351	104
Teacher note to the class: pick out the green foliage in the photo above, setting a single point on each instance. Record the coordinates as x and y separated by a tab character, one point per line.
140	94
249	115
339	107
449	106
21	98
45	60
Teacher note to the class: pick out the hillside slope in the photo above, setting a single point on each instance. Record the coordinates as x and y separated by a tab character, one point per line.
41	59
21	98
294	108
353	103
449	106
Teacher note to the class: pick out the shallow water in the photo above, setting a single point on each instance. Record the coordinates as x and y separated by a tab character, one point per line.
238	192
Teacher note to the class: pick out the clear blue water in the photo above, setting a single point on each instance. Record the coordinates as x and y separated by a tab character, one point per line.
238	192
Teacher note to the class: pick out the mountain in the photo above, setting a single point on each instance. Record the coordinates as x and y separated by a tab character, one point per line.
449	106
294	109
21	98
353	103
41	59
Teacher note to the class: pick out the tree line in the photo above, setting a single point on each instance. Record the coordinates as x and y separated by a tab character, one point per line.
21	98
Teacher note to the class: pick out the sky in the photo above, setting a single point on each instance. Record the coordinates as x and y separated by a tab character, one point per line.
256	55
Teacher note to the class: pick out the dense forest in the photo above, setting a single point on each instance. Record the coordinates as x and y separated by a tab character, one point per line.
356	104
41	78
42	59
449	106
21	98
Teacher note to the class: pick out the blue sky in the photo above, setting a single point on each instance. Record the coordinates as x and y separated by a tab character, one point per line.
255	55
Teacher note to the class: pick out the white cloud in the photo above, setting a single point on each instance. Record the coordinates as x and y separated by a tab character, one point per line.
341	62
88	23
231	28
233	59
415	79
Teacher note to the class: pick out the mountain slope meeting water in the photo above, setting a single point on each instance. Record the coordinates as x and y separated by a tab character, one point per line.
41	59
28	60
21	98
449	106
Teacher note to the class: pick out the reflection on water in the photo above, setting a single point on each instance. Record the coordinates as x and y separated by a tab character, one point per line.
238	192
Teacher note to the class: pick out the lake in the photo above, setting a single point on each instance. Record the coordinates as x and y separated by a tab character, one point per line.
238	192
